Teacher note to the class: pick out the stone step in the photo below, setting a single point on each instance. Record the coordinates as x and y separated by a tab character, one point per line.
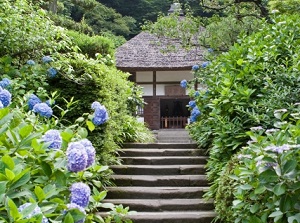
161	145
163	204
171	217
162	152
158	169
155	192
164	160
165	180
171	140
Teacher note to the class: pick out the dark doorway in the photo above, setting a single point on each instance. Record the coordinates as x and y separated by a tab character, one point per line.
173	113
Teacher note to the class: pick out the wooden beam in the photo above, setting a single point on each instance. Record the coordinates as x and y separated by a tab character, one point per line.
154	83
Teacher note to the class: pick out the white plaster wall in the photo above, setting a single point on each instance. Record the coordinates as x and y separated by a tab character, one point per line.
147	89
144	76
173	75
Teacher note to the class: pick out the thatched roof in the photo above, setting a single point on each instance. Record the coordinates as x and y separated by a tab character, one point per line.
148	52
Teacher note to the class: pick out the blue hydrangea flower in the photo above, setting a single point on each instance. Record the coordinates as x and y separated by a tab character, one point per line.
100	115
81	209
80	194
197	93
32	101
210	50
5	97
36	211
183	83
192	104
53	137
1	105
52	72
90	151
31	62
43	110
4	83
47	59
194	114
95	105
77	157
195	67
205	64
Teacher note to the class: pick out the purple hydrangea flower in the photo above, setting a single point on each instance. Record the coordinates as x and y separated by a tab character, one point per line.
43	110
52	72
47	59
100	115
32	101
194	114
90	151
5	97
95	105
205	64
195	67
196	94
4	83
183	83
278	149
81	209
80	194
77	157
31	62
192	104
53	137
36	211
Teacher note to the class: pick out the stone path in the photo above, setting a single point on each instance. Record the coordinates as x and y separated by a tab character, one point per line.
163	182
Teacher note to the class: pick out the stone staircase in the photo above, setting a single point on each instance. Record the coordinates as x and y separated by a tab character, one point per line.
163	182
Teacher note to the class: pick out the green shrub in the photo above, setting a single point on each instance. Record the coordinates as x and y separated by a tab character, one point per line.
244	86
92	45
266	177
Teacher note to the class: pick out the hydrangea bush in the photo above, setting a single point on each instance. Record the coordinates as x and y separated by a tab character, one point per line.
265	179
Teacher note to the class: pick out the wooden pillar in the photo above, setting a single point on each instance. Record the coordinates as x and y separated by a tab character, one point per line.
154	83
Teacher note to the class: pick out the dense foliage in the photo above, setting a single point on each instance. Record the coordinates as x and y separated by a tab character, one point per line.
244	87
54	99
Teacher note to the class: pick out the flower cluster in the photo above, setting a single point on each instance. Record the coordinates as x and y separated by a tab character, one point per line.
195	67
4	83
192	104
205	64
80	194
100	114
36	105
77	157
32	101
43	110
47	59
53	137
81	155
194	114
35	212
183	83
197	93
31	62
52	72
5	97
278	149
